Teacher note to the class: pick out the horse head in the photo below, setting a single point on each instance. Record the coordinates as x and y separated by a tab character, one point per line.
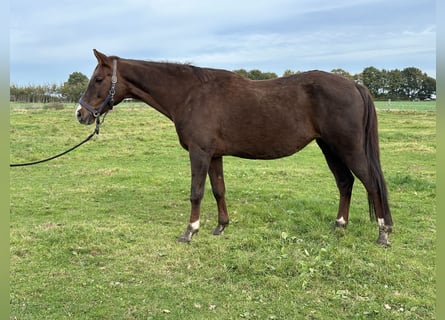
102	92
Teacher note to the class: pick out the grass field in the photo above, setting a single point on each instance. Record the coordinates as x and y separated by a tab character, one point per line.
93	234
406	105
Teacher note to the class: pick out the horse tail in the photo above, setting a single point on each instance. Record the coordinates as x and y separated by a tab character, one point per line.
372	151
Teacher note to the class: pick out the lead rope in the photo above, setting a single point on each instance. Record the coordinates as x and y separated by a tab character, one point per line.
96	131
96	114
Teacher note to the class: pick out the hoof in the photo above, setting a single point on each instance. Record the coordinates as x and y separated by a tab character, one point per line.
185	238
339	231
383	238
219	230
340	224
188	234
383	241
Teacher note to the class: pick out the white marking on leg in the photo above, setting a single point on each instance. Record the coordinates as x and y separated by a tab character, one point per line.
194	225
341	221
381	222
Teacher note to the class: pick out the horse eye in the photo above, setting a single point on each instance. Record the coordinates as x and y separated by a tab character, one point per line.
99	79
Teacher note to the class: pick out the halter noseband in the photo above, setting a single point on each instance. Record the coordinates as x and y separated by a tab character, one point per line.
109	100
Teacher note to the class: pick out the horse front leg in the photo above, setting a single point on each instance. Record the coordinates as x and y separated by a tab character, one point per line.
219	190
199	162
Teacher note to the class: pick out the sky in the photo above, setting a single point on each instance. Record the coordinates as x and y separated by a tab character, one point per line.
51	39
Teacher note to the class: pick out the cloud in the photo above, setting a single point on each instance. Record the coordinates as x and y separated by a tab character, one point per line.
261	34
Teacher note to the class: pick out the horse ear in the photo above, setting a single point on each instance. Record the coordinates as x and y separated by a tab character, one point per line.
101	58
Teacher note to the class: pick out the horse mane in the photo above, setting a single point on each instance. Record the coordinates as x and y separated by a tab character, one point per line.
202	74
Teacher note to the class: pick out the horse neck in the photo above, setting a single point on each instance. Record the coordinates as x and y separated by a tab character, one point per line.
163	86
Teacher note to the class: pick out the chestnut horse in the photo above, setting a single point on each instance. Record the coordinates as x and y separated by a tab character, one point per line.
218	113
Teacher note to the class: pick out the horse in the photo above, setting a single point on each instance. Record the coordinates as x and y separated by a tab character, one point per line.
219	113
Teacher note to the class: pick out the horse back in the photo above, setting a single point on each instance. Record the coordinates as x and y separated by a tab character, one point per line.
265	119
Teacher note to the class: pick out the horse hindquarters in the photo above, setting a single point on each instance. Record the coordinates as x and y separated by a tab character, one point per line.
350	144
364	162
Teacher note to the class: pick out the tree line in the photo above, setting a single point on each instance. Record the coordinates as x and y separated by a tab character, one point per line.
69	91
407	84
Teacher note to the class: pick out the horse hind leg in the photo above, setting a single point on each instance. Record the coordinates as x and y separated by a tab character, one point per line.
218	189
344	180
369	172
379	207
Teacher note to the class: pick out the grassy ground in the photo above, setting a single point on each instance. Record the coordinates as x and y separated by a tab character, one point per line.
93	234
406	105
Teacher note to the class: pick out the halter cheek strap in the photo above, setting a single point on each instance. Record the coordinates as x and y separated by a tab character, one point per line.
109	100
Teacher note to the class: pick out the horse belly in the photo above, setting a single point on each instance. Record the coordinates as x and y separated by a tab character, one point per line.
267	151
265	143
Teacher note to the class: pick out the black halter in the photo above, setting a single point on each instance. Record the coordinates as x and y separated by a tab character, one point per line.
109	100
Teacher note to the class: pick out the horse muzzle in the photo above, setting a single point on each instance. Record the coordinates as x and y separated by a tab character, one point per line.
83	116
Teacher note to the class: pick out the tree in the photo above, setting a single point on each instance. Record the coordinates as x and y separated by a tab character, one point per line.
342	73
76	84
428	88
269	75
33	94
395	80
412	82
256	74
288	72
242	72
372	78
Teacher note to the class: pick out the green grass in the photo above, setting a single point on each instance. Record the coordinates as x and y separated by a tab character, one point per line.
93	234
390	105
